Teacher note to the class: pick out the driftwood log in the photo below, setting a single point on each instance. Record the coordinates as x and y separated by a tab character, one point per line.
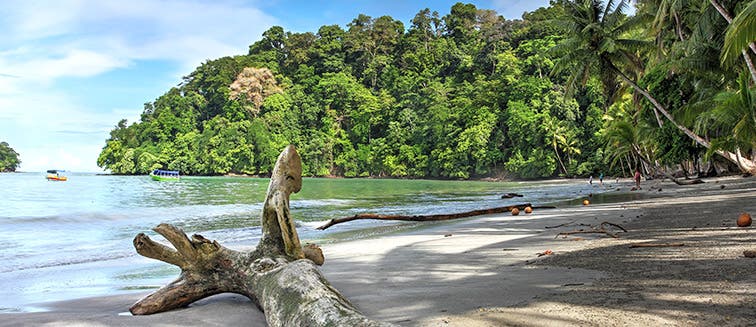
277	276
511	195
437	217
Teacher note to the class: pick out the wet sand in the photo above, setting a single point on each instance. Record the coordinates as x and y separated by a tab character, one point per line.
485	271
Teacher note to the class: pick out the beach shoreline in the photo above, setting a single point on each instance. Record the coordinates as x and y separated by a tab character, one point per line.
485	271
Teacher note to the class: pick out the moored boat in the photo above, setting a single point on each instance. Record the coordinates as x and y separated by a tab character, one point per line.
165	175
56	175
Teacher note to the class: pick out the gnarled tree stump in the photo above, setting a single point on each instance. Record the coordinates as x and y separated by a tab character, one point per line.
279	275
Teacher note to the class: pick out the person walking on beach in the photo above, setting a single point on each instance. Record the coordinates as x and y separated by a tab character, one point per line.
637	178
590	179
601	179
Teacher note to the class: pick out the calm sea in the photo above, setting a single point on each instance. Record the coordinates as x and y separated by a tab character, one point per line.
73	239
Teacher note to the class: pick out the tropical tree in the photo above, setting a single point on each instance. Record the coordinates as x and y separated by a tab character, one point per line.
734	112
555	134
741	34
8	158
596	44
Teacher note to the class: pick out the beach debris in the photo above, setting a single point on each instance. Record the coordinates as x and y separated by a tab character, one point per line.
655	245
515	211
511	195
447	235
721	187
749	253
574	284
560	225
437	217
744	220
547	252
599	229
510	249
528	210
586	202
274	275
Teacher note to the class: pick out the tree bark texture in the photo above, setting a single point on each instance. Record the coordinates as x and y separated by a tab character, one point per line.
279	276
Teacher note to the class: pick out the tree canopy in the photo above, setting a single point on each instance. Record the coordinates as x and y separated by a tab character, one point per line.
575	88
8	158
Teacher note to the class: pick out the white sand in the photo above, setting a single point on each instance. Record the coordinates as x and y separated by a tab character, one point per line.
487	272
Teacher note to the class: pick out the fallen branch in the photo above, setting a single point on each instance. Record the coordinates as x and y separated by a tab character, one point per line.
560	225
655	245
511	195
600	229
438	217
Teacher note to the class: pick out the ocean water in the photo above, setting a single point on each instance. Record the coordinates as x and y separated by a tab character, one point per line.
73	239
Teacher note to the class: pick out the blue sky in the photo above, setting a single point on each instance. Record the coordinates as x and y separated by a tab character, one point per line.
71	69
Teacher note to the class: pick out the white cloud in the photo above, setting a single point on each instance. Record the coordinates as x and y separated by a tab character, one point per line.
91	36
46	41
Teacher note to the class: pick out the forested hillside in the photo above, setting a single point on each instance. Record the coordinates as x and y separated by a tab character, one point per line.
572	89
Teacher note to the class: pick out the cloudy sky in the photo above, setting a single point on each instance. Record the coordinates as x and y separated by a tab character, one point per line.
71	69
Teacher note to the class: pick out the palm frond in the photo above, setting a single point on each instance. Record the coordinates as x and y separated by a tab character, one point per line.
740	33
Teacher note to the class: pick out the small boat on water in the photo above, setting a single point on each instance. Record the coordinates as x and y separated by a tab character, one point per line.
56	175
165	175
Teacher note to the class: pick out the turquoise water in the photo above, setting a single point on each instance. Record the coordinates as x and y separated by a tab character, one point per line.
66	240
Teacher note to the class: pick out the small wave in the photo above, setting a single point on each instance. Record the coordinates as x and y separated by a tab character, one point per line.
84	217
66	262
321	202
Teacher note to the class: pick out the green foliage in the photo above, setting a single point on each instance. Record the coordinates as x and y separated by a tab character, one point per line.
8	158
538	163
462	95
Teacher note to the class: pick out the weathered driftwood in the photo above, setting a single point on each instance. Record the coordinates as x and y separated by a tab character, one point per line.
511	195
600	229
749	253
276	275
437	217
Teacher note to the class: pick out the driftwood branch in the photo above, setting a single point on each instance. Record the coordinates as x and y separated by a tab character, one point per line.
280	276
437	217
600	229
511	195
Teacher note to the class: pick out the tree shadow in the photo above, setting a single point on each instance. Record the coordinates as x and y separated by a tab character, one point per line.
707	281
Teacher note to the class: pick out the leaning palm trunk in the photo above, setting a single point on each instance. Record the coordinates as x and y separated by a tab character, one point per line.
279	275
745	164
726	15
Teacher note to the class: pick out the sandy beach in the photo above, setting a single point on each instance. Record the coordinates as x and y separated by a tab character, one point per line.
485	271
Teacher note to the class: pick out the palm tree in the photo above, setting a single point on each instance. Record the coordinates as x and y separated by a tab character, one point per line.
595	42
733	112
741	33
555	135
